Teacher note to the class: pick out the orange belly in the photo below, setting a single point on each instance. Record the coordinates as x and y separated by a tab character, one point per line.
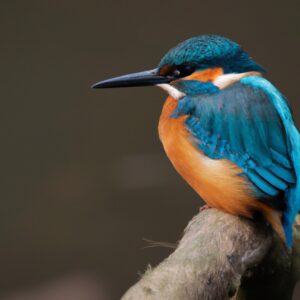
216	181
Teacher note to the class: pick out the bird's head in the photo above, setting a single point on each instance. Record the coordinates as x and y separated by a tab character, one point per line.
209	59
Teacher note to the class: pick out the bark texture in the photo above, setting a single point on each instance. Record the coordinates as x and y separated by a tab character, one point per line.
221	257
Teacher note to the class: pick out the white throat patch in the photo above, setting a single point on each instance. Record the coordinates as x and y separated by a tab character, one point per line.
172	91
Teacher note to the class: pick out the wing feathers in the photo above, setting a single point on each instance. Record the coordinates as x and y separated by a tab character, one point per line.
280	159
275	181
241	124
262	184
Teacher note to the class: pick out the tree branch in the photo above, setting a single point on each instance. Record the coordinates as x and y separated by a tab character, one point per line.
223	257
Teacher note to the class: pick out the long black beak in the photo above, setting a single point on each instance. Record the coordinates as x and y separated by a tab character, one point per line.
144	78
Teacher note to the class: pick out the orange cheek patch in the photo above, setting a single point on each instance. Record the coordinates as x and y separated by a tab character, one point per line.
206	75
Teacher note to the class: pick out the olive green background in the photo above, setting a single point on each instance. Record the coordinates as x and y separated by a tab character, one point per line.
83	175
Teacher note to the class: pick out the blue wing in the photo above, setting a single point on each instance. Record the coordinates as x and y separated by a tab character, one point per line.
250	123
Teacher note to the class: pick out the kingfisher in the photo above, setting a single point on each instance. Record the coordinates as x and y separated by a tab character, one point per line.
227	130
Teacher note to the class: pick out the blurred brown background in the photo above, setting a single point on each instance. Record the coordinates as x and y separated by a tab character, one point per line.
83	175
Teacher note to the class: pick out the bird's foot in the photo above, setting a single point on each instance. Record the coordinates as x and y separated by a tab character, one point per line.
204	207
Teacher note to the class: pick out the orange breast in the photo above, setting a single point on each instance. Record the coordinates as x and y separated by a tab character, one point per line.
216	181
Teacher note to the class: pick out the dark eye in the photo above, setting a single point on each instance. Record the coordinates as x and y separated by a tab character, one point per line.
184	70
177	71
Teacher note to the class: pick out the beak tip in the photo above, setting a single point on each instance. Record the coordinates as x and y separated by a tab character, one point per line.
96	85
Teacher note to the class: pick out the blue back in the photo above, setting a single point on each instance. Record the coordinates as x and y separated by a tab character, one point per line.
250	124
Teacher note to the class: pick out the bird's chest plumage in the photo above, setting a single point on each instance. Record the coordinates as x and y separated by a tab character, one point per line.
218	182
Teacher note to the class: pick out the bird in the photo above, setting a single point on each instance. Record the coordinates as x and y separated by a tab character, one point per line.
227	130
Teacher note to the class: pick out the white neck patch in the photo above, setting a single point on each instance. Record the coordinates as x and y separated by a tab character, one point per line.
225	80
172	91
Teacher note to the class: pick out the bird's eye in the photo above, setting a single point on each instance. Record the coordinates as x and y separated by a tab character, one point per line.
184	70
177	71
